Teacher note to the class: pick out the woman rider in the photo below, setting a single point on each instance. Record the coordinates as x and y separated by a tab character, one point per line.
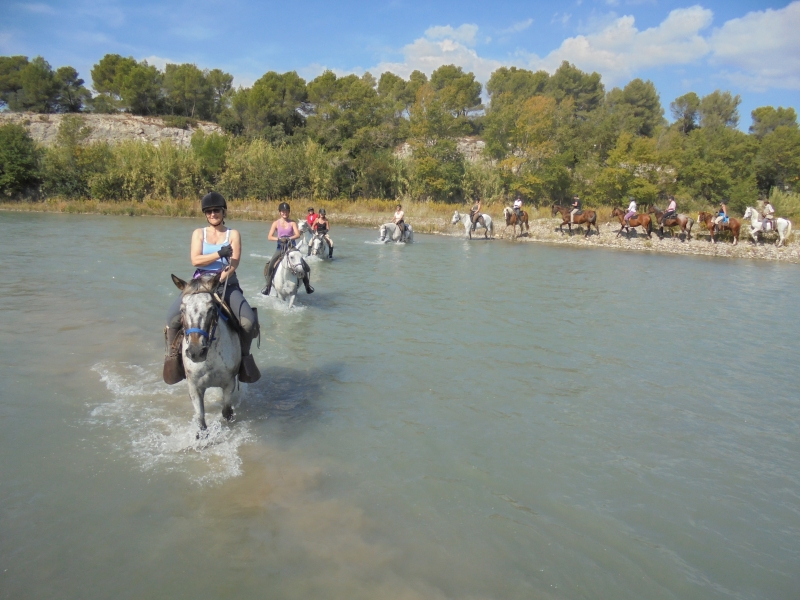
722	215
399	220
672	210
215	249
323	226
285	232
631	211
475	213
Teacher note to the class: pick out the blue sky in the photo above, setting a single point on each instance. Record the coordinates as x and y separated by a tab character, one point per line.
751	48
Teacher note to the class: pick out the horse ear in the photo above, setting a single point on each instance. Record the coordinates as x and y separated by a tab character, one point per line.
179	283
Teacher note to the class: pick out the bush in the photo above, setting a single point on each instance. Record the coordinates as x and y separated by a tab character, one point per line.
178	121
19	161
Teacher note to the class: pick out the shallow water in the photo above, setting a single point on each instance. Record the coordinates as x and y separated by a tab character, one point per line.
440	420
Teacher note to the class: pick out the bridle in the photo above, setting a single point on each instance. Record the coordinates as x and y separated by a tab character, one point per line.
218	314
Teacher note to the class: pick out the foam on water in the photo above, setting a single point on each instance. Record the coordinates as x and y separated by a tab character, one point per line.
155	422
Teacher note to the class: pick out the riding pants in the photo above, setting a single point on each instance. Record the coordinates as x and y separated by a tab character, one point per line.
668	215
235	299
518	212
719	220
572	214
630	214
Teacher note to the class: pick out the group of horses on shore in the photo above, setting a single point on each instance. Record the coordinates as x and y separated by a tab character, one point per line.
648	221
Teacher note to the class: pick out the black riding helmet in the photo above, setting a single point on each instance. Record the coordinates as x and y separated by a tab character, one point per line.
284	206
322	212
310	209
213	200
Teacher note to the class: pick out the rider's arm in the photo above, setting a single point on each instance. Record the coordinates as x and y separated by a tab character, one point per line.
196	251
272	229
236	245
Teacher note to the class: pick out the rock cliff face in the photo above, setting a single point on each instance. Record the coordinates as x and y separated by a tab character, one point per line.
470	147
108	128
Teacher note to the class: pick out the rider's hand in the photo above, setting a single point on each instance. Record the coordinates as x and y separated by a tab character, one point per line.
225	251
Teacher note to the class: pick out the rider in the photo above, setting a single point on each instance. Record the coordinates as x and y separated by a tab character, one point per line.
475	212
576	208
399	220
284	231
322	226
631	211
723	214
769	214
312	216
215	249
672	210
518	208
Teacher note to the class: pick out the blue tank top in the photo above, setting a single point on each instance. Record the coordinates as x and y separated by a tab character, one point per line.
220	263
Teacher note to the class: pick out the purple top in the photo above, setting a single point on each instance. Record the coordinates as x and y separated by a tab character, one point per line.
287	232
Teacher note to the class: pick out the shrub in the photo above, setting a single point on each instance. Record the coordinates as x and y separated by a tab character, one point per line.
19	160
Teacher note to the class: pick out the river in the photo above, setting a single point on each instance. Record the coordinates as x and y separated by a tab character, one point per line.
440	420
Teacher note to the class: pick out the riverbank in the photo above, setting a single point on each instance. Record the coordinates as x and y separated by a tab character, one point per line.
435	218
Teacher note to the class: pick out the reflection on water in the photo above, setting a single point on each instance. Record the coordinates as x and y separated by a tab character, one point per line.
439	420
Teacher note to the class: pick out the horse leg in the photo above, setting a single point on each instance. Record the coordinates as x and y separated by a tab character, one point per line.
197	394
227	394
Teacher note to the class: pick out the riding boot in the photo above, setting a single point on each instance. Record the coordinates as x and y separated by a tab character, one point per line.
270	276
330	252
309	289
248	371
173	363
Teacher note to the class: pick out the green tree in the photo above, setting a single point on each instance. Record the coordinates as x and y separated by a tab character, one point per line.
719	109
459	92
510	84
767	119
271	108
107	80
437	171
585	90
686	111
187	91
638	107
72	95
19	160
777	163
221	85
10	78
39	91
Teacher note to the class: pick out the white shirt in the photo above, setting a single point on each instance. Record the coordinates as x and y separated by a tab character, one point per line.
517	203
632	206
672	205
398	215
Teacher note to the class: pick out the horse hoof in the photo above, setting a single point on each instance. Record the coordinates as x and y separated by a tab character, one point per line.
227	413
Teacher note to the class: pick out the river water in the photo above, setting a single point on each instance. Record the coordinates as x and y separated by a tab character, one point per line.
440	420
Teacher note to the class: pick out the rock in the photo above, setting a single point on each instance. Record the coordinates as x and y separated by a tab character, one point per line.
108	128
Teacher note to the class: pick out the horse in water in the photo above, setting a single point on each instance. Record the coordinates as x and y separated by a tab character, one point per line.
644	221
685	222
733	225
210	346
511	219
485	222
586	216
306	235
288	273
782	226
317	246
394	233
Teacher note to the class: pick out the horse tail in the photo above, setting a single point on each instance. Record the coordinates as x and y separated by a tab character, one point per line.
788	236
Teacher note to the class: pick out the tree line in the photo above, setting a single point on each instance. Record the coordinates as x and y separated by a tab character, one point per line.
546	136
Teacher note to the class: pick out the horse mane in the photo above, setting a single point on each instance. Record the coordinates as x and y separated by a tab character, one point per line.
205	284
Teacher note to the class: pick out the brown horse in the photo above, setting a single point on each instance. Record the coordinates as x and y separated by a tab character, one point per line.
587	216
511	219
640	220
733	225
685	222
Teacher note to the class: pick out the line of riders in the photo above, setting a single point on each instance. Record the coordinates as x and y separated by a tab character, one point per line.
216	250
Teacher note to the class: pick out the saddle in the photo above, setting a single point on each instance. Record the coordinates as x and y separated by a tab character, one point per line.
767	225
579	213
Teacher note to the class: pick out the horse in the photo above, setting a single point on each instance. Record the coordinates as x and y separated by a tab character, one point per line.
486	224
587	216
395	235
732	225
781	225
511	219
306	235
288	273
210	346
685	222
317	245
640	220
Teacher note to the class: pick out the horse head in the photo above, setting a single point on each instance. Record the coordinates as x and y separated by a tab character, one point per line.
749	213
294	262
382	232
199	313
302	226
456	218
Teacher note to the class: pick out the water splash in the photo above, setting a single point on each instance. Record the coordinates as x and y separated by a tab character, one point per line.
154	421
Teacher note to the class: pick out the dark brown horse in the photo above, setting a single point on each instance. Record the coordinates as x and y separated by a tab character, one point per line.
511	219
644	221
587	216
685	222
733	225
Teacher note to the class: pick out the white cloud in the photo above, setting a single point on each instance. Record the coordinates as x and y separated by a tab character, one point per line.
518	26
158	61
37	8
762	49
464	34
619	49
442	45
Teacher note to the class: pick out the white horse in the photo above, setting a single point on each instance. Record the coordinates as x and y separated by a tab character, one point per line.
489	229
317	246
306	235
210	347
395	235
288	274
782	226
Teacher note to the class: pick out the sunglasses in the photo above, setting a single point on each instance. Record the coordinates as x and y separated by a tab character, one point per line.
213	211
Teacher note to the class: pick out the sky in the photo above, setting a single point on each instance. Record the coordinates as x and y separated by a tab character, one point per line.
749	47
